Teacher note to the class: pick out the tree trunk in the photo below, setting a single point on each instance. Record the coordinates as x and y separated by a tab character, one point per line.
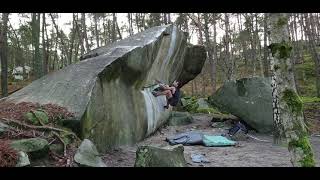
84	31
96	28
3	54
165	20
114	33
230	74
210	53
44	45
118	29
266	64
59	35
130	24
73	35
287	105
36	38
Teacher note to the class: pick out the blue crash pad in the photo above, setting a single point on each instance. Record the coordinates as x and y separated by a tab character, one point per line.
217	141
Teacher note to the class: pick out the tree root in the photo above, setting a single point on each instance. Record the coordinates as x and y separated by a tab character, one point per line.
44	127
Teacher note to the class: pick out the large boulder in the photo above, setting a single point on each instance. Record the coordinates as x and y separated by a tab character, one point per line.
249	99
109	90
153	156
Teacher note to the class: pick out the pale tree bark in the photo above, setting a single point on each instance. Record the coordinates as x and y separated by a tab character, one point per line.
59	35
84	31
95	18
3	54
266	63
80	35
229	61
287	105
36	41
258	45
209	45
165	20
130	28
118	29
44	51
114	33
73	36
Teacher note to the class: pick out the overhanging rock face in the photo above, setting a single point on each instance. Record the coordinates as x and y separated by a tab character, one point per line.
106	90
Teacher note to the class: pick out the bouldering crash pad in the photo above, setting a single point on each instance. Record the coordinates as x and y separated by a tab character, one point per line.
210	141
197	138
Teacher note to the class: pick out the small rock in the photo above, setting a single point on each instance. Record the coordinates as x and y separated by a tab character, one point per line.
87	155
35	147
239	136
217	125
152	156
56	148
3	128
198	158
180	118
23	159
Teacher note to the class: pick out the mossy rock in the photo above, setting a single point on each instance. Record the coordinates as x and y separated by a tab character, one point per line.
152	156
88	156
223	117
209	110
3	128
180	118
36	116
23	159
35	147
56	148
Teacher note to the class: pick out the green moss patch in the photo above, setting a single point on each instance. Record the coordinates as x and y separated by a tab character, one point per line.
293	101
304	144
284	49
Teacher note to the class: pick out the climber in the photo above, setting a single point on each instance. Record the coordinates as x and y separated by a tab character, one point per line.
171	92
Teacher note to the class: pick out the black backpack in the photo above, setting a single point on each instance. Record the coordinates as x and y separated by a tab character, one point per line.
237	127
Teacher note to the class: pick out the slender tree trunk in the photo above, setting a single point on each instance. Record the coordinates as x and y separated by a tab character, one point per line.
266	64
210	53
73	36
96	29
84	31
59	35
36	39
48	51
230	74
44	51
80	36
287	105
114	35
130	24
165	18
3	54
119	32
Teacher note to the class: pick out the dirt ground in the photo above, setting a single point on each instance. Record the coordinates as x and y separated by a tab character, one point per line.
248	153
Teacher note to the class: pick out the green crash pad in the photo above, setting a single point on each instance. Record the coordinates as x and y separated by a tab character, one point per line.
217	141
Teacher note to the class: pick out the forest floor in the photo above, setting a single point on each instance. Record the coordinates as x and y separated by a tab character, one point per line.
248	153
